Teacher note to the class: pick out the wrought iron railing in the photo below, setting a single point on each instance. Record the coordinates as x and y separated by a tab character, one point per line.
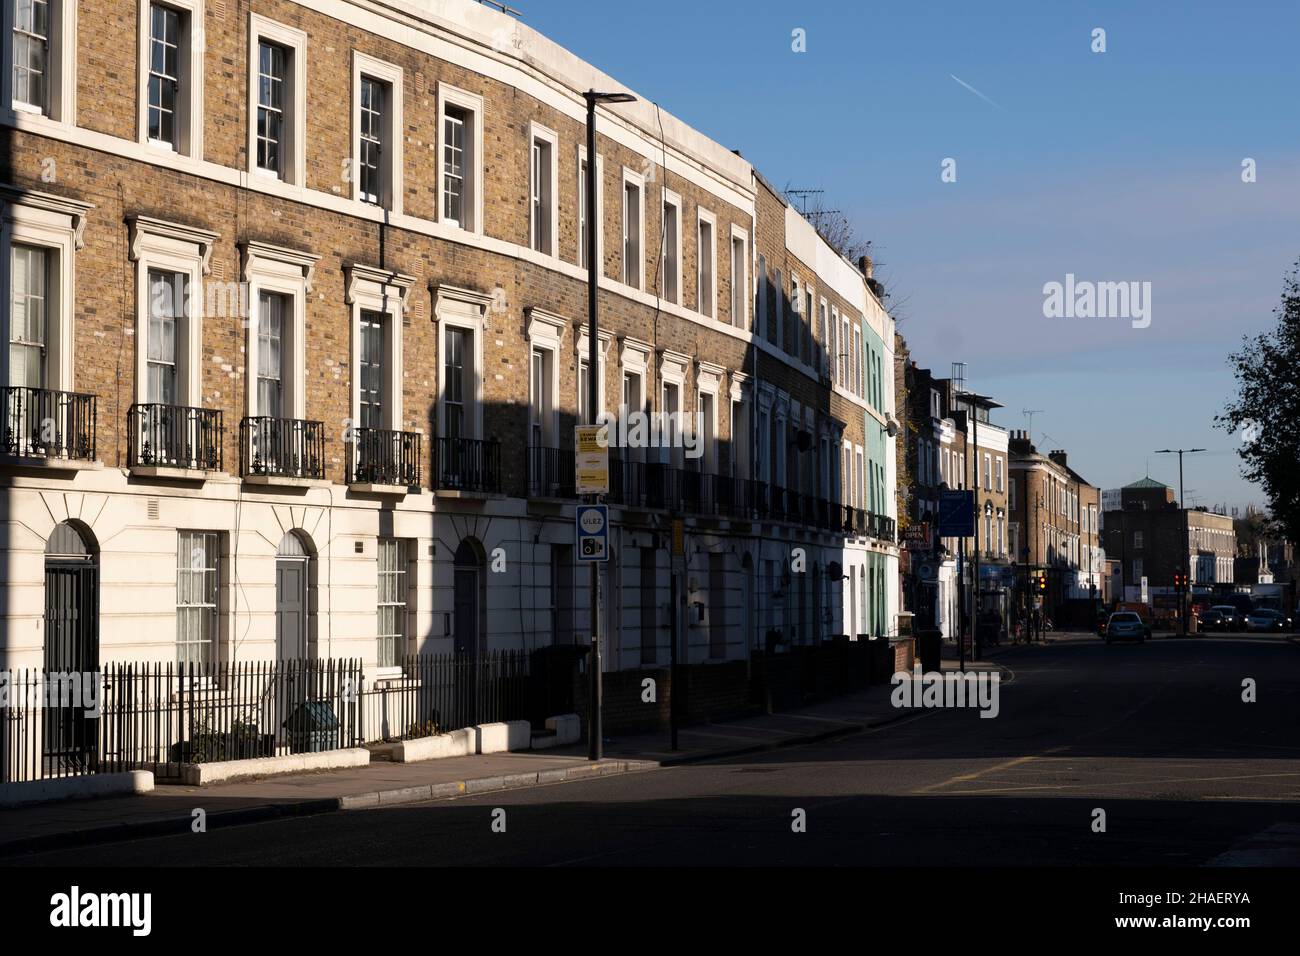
469	464
551	472
42	423
281	447
174	436
437	693
384	457
161	715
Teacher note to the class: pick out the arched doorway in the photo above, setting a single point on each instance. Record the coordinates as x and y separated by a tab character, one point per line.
71	642
293	632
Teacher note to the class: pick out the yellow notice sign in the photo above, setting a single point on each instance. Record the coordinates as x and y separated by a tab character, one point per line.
591	460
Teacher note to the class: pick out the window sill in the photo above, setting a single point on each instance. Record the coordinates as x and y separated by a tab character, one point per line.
175	473
370	488
471	495
49	464
286	481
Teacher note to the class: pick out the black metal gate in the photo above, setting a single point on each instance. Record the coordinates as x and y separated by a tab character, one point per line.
71	665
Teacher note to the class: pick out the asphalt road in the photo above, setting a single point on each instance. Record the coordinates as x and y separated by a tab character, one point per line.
1156	735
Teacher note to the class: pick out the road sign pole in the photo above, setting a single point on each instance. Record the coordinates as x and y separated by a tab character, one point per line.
673	688
961	604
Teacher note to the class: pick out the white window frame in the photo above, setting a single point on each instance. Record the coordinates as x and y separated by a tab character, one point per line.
600	210
404	578
673	370
582	353
472	103
823	349
466	309
215	569
369	289
860	477
708	381
550	188
859	361
672	242
634	359
55	224
740	430
637	274
739	278
176	248
60	66
189	123
372	68
780	310
289	273
546	334
796	311
294	150
702	217
760	298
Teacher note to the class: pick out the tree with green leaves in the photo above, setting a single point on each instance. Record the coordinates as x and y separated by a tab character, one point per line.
1266	410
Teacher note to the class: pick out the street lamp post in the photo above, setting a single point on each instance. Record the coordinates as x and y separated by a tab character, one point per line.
1182	513
593	389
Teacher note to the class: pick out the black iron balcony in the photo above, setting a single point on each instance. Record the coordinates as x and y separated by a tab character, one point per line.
551	472
732	497
41	423
174	436
384	457
643	484
469	464
855	520
880	526
694	490
281	448
822	513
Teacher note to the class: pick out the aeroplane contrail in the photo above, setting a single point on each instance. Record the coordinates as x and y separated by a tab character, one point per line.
977	92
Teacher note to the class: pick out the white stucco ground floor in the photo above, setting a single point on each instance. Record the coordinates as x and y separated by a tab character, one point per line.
100	566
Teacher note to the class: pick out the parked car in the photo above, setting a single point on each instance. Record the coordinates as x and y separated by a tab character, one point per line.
1266	619
1126	626
1230	617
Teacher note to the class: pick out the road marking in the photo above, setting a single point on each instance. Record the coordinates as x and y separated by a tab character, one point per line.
1005	765
1131	783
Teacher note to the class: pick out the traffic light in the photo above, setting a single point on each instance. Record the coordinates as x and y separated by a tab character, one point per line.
1041	583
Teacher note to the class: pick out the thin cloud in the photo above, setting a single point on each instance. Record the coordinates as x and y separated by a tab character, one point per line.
977	92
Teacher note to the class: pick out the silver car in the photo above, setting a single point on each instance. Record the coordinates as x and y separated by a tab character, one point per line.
1126	626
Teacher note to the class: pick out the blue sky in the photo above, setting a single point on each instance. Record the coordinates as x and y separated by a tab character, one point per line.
1118	166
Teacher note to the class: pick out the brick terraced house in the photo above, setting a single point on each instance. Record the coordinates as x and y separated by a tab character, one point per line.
296	310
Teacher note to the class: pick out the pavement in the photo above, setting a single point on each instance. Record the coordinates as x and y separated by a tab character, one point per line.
1132	755
171	809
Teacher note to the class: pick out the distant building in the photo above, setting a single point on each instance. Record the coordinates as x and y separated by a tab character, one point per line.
1155	538
953	444
1055	531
